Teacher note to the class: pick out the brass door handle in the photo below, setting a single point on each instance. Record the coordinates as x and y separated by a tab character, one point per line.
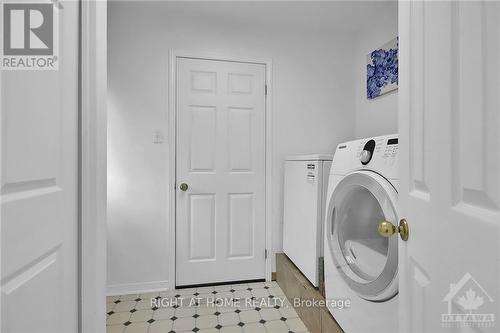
387	229
184	187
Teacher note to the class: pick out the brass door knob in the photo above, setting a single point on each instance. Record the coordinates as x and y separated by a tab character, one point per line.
184	187
387	229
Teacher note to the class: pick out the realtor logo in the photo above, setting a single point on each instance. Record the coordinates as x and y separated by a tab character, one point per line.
29	38
468	305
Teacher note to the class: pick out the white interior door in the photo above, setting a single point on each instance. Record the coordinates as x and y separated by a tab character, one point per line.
39	155
220	218
450	166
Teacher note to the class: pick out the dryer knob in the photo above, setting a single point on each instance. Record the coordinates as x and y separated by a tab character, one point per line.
365	156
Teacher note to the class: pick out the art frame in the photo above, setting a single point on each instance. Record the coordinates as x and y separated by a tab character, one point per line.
382	70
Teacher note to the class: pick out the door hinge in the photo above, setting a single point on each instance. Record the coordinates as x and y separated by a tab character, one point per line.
265	89
265	253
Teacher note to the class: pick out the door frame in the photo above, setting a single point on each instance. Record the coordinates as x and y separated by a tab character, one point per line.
172	137
92	167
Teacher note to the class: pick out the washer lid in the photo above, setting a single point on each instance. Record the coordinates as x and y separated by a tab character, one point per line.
366	261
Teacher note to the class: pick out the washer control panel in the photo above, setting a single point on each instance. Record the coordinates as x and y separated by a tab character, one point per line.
383	148
379	154
391	149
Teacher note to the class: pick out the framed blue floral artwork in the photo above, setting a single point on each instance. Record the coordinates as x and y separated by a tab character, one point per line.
382	70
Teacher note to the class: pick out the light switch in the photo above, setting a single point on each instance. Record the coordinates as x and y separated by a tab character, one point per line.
158	137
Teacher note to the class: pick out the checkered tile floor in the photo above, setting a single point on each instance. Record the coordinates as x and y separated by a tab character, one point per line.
241	308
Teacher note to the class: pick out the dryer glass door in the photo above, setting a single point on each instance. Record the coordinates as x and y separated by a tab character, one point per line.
364	259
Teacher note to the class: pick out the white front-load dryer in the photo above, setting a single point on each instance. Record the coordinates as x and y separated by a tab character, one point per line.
361	266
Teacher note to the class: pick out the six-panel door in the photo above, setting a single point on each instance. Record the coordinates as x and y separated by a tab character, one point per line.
220	218
449	124
39	155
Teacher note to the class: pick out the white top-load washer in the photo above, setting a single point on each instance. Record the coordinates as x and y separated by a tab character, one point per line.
360	265
306	181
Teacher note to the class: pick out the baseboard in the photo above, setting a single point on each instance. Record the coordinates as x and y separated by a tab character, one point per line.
137	288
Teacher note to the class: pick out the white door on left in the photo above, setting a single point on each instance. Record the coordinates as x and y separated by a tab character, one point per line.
39	190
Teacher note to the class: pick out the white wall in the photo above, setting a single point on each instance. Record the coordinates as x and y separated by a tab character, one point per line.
313	105
380	115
